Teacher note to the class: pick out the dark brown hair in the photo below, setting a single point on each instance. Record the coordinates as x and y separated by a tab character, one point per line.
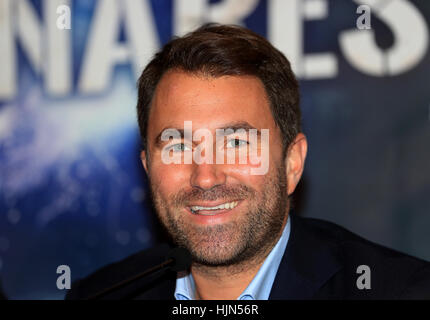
218	50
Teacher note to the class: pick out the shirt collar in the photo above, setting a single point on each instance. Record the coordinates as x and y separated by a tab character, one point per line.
261	284
185	287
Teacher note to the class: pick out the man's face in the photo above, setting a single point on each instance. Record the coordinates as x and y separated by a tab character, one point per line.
191	199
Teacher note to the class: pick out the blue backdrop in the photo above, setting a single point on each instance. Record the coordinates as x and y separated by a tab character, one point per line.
72	190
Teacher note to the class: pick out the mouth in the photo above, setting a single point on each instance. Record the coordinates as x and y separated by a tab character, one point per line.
207	210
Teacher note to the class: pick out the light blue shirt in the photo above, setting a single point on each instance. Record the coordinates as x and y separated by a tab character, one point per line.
260	286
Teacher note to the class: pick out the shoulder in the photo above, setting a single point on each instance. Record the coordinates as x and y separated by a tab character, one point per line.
393	274
353	246
122	270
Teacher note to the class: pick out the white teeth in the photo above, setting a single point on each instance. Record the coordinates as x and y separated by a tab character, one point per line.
229	205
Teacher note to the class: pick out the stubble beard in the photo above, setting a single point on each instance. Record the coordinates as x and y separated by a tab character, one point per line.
247	238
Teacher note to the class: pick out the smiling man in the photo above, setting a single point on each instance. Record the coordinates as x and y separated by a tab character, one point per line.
228	218
215	106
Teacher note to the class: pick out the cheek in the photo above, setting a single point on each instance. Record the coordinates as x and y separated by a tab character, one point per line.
253	164
169	178
242	174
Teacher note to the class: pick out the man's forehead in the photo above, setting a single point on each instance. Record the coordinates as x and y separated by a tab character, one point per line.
209	102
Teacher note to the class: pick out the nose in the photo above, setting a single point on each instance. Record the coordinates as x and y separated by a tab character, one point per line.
206	176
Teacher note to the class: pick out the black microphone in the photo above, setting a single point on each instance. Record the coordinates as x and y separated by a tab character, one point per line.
178	259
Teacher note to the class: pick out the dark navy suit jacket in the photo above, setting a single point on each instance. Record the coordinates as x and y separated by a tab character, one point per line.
320	262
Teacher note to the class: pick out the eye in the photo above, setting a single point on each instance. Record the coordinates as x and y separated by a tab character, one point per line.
179	147
235	143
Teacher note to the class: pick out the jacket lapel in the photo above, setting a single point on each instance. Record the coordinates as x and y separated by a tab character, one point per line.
308	262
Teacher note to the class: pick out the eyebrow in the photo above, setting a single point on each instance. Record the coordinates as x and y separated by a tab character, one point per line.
159	142
235	125
239	125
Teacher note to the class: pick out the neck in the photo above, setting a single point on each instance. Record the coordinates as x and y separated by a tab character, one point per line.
228	282
223	283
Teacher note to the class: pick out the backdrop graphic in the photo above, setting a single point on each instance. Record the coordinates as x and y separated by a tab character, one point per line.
72	190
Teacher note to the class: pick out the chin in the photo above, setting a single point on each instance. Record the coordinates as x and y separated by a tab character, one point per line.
216	254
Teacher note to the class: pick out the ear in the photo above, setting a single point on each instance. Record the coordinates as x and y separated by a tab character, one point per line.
143	158
295	161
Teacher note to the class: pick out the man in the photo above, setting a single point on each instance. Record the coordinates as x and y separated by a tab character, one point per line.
219	116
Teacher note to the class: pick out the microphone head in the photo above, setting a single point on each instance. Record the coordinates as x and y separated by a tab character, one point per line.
182	259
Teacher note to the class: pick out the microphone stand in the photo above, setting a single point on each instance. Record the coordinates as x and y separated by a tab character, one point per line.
136	277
